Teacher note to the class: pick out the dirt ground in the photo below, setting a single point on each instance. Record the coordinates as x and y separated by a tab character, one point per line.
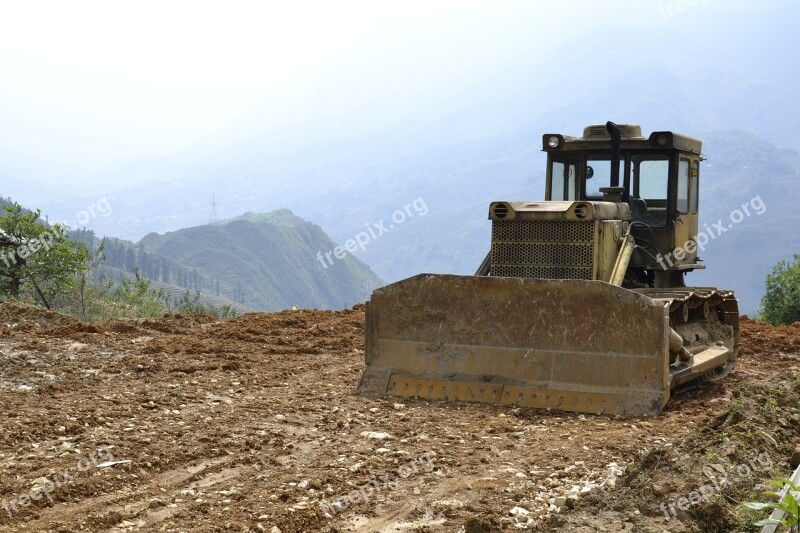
252	424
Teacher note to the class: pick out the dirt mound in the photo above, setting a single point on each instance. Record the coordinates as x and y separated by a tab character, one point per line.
760	338
31	317
695	483
71	330
691	484
122	325
176	323
302	331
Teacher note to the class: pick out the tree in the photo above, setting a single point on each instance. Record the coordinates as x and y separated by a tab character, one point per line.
36	260
781	303
93	259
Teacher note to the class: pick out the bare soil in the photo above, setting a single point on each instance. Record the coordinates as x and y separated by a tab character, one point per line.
252	424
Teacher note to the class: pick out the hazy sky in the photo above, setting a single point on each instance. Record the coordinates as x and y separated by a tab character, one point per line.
84	83
149	76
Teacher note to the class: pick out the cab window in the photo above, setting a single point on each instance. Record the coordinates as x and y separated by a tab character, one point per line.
650	188
562	181
683	186
695	186
651	179
598	175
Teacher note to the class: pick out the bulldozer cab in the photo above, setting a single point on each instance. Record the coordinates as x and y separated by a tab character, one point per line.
658	178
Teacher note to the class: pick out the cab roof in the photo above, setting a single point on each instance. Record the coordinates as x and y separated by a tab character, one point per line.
596	138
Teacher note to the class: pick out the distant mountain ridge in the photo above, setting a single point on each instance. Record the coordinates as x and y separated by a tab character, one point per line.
268	261
257	261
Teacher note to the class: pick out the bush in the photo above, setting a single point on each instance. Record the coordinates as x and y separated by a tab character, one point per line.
191	305
781	303
137	298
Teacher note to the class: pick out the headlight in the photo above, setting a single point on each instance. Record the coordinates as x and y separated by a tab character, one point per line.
553	141
662	139
500	210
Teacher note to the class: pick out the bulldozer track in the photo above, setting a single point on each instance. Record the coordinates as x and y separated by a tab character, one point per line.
707	308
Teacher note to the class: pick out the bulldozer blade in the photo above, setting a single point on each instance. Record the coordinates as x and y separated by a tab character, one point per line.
571	345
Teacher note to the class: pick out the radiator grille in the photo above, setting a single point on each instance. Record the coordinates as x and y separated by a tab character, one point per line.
544	250
550	231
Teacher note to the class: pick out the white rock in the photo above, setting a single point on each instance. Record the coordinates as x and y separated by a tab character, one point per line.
399	406
449	504
519	511
377	435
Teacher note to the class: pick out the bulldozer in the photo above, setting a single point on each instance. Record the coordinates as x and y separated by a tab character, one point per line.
581	303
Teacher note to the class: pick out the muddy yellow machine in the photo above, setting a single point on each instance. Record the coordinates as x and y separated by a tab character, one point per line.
580	304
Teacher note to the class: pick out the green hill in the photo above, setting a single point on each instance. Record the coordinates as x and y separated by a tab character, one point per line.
266	261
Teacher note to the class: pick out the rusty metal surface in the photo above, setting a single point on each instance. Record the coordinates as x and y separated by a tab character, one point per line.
583	346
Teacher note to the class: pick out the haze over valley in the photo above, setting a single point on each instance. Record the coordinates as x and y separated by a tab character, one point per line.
443	104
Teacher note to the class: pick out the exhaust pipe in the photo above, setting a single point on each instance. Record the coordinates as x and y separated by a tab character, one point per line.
616	140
